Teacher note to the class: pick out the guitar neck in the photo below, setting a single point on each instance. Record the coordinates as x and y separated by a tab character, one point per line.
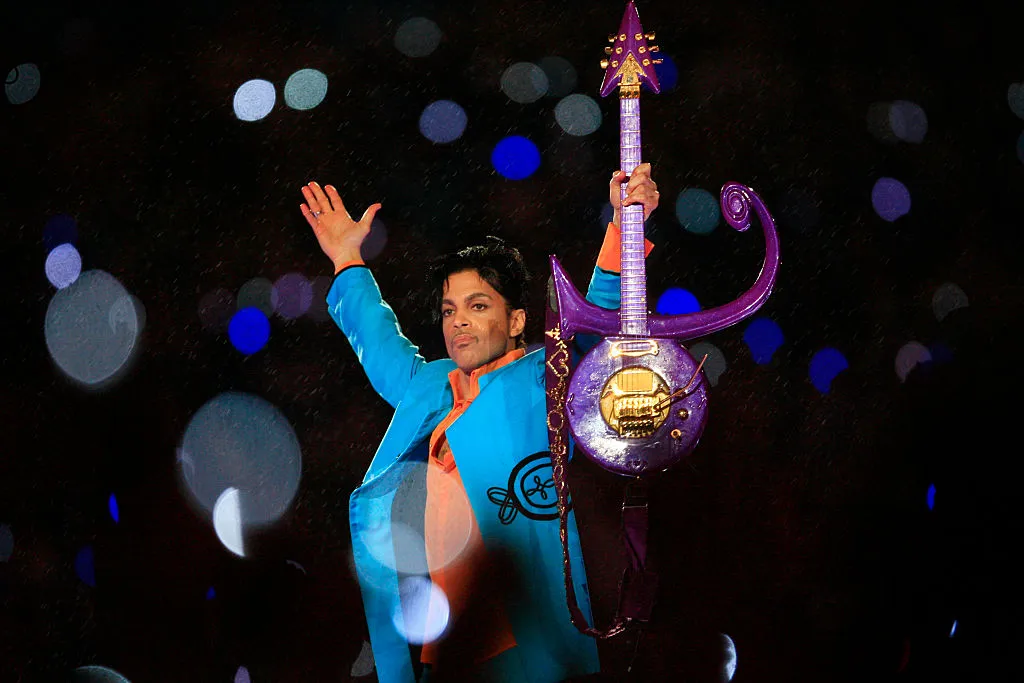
633	285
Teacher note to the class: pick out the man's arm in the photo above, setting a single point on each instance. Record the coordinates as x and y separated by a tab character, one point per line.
354	301
389	359
604	288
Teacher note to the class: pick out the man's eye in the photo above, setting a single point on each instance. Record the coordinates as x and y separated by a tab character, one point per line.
445	312
482	306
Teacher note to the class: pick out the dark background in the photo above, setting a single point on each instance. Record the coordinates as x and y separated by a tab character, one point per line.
799	527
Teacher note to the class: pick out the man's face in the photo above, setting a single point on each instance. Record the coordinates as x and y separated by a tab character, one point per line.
477	325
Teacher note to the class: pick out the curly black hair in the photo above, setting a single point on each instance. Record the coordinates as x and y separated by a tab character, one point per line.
498	264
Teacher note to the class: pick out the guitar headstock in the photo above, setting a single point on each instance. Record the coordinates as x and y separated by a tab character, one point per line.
630	61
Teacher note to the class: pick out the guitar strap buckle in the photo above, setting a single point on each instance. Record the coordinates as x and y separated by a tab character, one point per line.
635	495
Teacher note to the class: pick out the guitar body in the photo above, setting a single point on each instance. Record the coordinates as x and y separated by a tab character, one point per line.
621	409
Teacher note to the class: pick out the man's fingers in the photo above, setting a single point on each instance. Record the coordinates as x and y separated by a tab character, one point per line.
370	212
335	198
314	205
310	218
321	198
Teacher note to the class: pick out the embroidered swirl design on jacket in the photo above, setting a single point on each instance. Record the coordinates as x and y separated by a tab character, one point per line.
530	491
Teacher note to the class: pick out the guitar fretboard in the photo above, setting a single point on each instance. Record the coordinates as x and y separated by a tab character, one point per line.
633	285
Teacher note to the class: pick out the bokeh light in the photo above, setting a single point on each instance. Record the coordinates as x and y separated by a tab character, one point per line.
879	124
443	121
210	593
515	157
952	630
92	328
421	615
667	72
375	241
763	337
216	308
242	675
318	309
825	365
947	298
728	669
417	37
254	99
930	497
115	513
890	199
249	330
22	83
238	440
292	295
257	292
561	75
63	265
676	300
908	121
524	82
909	357
305	89
227	521
59	229
96	674
578	114
85	566
715	365
364	664
1015	98
403	548
6	543
698	211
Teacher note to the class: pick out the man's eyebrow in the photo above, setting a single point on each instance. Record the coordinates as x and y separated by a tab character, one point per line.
474	295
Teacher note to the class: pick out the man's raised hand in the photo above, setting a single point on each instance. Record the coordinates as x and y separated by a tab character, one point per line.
339	236
640	190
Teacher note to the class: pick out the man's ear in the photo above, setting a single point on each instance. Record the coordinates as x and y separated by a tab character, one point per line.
517	322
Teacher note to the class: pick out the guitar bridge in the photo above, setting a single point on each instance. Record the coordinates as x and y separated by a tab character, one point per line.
633	402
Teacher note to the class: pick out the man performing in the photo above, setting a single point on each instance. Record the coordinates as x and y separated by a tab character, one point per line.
470	435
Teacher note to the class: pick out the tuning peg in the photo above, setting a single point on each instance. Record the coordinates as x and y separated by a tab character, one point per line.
612	37
657	61
654	48
649	36
604	63
607	50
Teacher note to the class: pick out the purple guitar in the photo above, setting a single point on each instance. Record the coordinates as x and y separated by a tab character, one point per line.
637	402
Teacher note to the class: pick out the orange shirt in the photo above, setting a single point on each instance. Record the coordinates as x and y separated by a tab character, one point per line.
456	554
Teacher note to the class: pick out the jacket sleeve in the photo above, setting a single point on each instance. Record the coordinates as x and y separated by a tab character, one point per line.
389	359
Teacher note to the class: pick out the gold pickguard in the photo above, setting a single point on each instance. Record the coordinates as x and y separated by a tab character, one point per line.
633	402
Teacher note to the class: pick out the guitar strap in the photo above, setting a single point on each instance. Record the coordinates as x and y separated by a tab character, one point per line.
639	583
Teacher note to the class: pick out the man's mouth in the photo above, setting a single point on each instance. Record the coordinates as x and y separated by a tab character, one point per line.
460	339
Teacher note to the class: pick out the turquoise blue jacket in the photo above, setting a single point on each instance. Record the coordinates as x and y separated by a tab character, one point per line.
501	446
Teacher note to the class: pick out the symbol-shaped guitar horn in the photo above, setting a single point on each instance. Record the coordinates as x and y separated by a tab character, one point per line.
577	315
